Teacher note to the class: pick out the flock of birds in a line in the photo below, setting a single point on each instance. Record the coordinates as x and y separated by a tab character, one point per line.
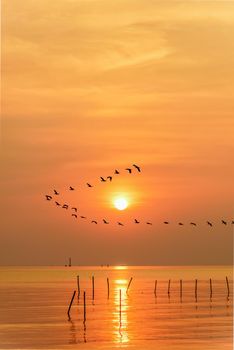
106	222
102	179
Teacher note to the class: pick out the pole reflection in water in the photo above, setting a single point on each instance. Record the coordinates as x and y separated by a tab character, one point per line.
85	340
72	339
120	316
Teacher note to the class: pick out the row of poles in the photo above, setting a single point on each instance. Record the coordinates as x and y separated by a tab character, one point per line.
130	281
93	294
195	290
93	289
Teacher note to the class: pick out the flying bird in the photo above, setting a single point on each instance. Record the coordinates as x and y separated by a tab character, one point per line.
94	222
105	222
166	222
88	185
136	221
65	206
193	223
180	223
74	215
109	177
71	188
58	204
120	223
116	172
224	222
102	179
75	209
56	192
48	198
209	223
129	170
137	167
149	223
83	217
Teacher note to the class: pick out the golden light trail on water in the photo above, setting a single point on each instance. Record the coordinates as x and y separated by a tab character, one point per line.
120	318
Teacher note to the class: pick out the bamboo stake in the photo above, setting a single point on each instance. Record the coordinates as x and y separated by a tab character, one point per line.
108	287
196	289
181	290
228	290
155	288
78	286
69	308
84	307
129	284
93	287
211	291
120	306
169	287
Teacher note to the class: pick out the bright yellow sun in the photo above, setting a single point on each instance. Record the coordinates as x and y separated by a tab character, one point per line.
120	203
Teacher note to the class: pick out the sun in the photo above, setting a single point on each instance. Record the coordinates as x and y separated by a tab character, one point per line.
120	203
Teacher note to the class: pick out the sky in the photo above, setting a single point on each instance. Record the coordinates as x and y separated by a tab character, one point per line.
90	86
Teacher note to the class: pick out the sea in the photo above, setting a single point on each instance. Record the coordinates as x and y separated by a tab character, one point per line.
131	307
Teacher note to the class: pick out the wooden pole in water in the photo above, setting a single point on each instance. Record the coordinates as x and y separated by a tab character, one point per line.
155	287
196	289
120	305
84	307
93	287
129	284
68	311
78	286
228	290
108	287
181	290
211	288
169	287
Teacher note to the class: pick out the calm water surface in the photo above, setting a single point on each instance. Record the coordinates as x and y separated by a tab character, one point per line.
34	303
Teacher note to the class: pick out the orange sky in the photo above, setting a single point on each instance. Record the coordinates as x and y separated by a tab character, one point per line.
90	86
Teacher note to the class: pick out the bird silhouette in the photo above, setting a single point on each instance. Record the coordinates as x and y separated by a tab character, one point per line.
109	177
116	172
83	217
56	192
193	223
149	223
120	223
102	179
209	223
74	209
58	204
65	206
136	221
105	222
166	222
48	198
94	222
129	170
74	215
180	223
137	167
71	188
88	185
224	222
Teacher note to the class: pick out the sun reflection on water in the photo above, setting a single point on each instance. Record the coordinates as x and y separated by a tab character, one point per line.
120	315
120	267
